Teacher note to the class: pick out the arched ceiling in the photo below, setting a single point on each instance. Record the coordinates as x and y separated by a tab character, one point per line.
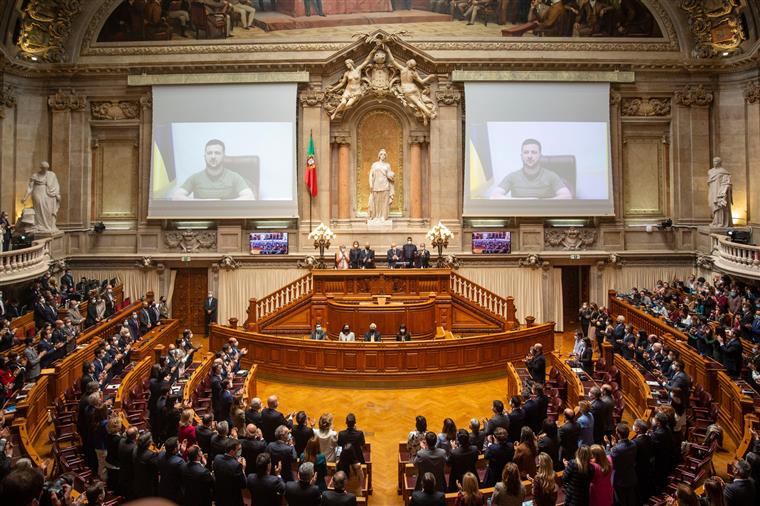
65	32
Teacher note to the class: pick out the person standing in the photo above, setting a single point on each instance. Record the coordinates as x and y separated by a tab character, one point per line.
355	256
307	4
367	257
342	259
197	481
210	309
410	253
577	478
230	478
431	459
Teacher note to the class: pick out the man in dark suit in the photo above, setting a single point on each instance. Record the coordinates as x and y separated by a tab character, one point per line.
569	432
680	383
499	419
598	409
253	413
170	468
409	251
423	257
134	326
499	451
126	473
352	435
230	479
732	353
644	460
372	335
271	419
266	488
662	442
209	310
217	388
253	445
145	460
461	460
516	419
110	299
303	492
197	481
219	440
338	496
624	478
618	333
430	459
428	496
743	490
67	281
535	408
283	453
609	408
368	257
536	363
204	432
226	401
393	256
143	315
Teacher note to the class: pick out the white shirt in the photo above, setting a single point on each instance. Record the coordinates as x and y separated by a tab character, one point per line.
346	337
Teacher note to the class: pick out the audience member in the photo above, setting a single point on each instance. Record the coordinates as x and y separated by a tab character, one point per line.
462	459
328	438
282	452
351	435
197	480
509	491
338	496
498	452
600	490
469	494
303	492
544	489
433	460
428	495
266	487
577	478
229	476
743	490
348	462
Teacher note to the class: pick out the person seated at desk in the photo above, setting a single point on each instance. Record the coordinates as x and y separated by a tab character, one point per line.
372	335
318	333
403	334
345	334
394	256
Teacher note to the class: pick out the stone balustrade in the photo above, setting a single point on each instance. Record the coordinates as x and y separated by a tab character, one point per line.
24	264
735	258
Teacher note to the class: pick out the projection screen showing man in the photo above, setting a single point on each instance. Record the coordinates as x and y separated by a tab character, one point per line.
532	181
215	182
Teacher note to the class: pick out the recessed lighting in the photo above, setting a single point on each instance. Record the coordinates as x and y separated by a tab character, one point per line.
726	53
34	58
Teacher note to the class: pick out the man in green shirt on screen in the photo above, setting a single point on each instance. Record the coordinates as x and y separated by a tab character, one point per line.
532	181
215	182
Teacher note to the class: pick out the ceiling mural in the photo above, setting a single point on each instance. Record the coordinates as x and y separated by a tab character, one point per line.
175	21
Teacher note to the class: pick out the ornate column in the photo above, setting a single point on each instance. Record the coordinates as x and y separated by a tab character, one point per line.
752	100
315	122
343	142
8	200
446	158
691	152
416	144
70	156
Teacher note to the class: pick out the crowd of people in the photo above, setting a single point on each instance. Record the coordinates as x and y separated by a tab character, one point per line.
409	255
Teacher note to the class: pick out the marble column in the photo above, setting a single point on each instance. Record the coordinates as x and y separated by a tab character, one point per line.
70	156
315	122
415	175
752	99
344	176
8	200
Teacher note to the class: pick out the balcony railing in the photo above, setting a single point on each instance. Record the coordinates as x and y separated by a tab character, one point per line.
24	264
735	258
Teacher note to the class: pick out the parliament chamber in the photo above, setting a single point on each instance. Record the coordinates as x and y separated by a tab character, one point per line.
418	252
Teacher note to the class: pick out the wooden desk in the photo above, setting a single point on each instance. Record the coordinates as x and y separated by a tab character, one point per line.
575	389
31	418
164	334
637	394
431	361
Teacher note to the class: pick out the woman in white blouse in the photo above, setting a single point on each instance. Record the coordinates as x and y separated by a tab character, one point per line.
346	334
328	438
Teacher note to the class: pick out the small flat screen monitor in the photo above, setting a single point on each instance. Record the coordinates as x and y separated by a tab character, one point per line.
269	243
491	243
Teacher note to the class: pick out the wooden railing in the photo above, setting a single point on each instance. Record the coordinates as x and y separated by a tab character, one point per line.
31	418
742	259
162	335
504	308
249	389
289	294
134	377
636	392
575	388
514	386
27	263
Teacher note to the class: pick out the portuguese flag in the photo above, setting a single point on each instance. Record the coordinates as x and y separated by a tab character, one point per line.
310	175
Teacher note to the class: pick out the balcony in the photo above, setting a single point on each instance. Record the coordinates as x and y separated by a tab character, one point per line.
25	264
733	258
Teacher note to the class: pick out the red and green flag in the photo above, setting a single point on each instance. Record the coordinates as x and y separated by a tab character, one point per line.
310	176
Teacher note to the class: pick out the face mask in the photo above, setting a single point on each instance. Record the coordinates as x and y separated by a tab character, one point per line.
345	330
239	453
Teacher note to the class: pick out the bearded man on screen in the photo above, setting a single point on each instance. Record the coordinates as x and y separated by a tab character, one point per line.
215	182
532	181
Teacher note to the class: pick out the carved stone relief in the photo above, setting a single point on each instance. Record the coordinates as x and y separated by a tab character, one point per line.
694	95
570	239
716	26
752	92
448	95
67	101
7	99
646	106
115	110
190	241
45	26
311	97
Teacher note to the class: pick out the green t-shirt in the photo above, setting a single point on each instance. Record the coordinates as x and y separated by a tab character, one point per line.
227	185
544	185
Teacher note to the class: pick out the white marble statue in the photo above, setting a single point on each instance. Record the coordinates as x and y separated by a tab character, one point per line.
719	194
381	188
46	199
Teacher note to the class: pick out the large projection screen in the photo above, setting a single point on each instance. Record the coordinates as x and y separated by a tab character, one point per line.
537	149
223	151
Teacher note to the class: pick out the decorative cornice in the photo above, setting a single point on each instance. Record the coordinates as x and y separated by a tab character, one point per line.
752	92
448	95
418	139
341	139
694	95
67	101
646	106
569	239
115	110
45	27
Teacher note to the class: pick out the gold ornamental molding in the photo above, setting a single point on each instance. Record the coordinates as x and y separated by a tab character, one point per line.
694	95
538	76
45	28
716	26
752	92
112	110
221	78
67	101
646	106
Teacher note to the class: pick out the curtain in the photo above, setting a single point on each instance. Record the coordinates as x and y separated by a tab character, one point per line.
170	291
239	285
555	290
522	284
627	277
136	282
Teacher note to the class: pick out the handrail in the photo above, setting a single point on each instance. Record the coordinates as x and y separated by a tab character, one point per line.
737	258
131	379
291	293
637	394
164	334
32	417
575	390
26	263
503	308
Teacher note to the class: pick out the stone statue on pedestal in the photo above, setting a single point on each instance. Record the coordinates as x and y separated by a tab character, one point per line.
719	195
46	199
381	188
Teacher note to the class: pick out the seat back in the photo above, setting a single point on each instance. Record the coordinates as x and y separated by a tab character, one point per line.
564	166
248	168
